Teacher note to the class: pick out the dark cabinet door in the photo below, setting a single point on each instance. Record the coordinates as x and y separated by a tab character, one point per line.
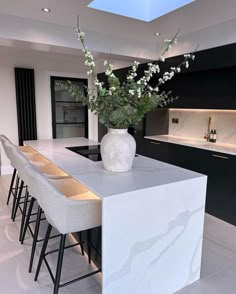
200	89
219	167
221	191
194	159
154	149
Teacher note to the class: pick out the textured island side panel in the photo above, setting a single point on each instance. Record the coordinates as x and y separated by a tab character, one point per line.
152	238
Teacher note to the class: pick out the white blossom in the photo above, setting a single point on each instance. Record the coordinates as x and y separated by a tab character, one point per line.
131	92
113	89
187	56
162	58
81	34
108	72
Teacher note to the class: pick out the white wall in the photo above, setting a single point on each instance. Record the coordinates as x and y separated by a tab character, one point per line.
44	64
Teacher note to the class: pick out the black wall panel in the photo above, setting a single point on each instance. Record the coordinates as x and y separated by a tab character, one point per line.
25	102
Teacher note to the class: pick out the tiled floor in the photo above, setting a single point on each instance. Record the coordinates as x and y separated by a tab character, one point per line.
218	274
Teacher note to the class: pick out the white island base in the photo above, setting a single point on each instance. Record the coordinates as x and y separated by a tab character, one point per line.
152	239
152	225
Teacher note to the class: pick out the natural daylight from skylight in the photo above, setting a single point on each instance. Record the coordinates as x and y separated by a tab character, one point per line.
145	10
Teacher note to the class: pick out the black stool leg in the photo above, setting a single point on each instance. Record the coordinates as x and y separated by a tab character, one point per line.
81	242
24	214
36	232
15	193
11	186
89	245
18	199
59	264
27	219
45	243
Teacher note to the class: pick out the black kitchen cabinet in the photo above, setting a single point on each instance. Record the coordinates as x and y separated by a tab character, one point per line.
221	191
201	90
219	167
153	149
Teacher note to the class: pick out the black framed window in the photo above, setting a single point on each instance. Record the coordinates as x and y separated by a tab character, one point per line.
69	117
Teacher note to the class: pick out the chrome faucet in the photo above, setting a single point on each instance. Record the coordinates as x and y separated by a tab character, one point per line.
207	135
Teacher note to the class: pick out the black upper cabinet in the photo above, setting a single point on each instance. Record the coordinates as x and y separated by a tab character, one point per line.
211	89
209	82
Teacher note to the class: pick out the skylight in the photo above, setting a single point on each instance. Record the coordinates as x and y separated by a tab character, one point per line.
146	10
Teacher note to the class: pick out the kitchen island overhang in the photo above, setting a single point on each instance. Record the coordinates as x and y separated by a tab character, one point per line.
152	223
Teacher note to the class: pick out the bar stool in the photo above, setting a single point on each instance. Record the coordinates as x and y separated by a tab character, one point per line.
51	171
37	160
14	185
74	213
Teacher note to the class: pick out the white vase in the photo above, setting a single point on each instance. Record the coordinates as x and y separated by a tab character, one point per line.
118	149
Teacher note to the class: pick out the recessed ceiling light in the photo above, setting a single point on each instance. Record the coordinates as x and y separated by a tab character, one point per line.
46	9
157	34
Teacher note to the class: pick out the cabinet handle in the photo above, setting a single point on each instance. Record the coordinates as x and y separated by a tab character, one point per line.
220	156
156	143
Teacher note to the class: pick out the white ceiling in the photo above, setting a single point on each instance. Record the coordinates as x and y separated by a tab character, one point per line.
207	22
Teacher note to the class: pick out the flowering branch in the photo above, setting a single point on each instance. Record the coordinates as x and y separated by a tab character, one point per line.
123	105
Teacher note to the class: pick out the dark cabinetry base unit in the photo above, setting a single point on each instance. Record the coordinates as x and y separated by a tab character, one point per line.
219	167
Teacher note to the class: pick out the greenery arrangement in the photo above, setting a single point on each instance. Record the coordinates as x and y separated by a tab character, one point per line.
121	105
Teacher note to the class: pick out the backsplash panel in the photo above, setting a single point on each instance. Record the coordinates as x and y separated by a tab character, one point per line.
193	124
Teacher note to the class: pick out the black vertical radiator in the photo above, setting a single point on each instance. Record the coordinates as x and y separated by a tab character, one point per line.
25	103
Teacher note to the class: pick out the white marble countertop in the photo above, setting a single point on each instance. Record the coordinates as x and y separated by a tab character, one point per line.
146	172
191	142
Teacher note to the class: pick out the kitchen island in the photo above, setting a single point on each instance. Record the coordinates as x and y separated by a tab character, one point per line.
152	219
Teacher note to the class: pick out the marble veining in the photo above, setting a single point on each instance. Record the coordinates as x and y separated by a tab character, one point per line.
162	255
193	124
176	228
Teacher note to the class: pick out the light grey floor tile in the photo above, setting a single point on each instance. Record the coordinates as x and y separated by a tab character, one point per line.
223	282
14	276
215	257
5	215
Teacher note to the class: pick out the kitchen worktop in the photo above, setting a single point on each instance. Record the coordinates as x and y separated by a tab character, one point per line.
191	142
145	173
152	219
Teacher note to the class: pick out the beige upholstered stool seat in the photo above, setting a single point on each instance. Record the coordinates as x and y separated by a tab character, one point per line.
73	190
